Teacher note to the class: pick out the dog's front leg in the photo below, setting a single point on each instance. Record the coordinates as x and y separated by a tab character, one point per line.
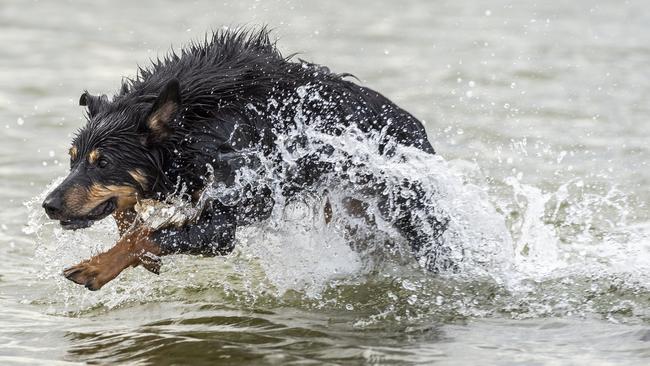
134	248
125	220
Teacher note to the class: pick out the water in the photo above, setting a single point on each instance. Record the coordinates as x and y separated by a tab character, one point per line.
538	108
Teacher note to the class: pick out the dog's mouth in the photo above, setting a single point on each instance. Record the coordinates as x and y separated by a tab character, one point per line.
102	210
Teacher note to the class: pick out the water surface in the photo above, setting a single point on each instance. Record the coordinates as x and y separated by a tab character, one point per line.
540	110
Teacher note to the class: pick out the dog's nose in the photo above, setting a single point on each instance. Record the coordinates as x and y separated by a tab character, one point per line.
52	205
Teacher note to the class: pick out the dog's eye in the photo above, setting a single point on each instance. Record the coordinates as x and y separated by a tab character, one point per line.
102	163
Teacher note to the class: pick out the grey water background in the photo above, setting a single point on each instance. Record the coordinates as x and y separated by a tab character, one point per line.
543	104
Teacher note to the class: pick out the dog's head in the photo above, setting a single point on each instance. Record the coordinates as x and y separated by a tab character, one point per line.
113	158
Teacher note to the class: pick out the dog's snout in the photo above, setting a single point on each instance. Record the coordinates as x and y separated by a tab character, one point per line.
53	205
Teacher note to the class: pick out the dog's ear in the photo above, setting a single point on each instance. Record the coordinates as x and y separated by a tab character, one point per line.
163	111
93	102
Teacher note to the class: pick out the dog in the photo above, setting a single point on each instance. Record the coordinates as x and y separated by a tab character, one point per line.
199	117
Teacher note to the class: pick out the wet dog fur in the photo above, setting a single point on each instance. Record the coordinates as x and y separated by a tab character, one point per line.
195	109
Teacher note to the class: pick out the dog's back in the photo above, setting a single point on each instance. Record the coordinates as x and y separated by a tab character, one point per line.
238	81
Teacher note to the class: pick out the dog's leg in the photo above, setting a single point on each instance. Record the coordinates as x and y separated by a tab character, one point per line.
414	220
213	234
418	224
134	248
125	220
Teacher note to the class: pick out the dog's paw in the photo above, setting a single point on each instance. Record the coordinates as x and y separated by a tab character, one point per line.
86	274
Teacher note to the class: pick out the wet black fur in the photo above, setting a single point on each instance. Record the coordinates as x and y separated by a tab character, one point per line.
225	81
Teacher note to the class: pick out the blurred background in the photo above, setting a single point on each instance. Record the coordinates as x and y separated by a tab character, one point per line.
543	105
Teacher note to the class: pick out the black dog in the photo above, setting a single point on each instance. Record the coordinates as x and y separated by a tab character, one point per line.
198	118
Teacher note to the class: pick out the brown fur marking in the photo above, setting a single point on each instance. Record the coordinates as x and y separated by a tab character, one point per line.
73	153
126	196
93	156
355	207
134	248
140	178
327	210
125	220
82	200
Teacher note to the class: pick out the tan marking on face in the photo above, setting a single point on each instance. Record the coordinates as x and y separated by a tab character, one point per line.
75	199
73	152
93	156
139	177
126	196
82	201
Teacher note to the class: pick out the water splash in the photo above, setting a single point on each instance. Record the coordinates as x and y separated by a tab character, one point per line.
526	253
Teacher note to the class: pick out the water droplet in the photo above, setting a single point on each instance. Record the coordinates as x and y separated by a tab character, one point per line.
409	285
439	300
412	299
